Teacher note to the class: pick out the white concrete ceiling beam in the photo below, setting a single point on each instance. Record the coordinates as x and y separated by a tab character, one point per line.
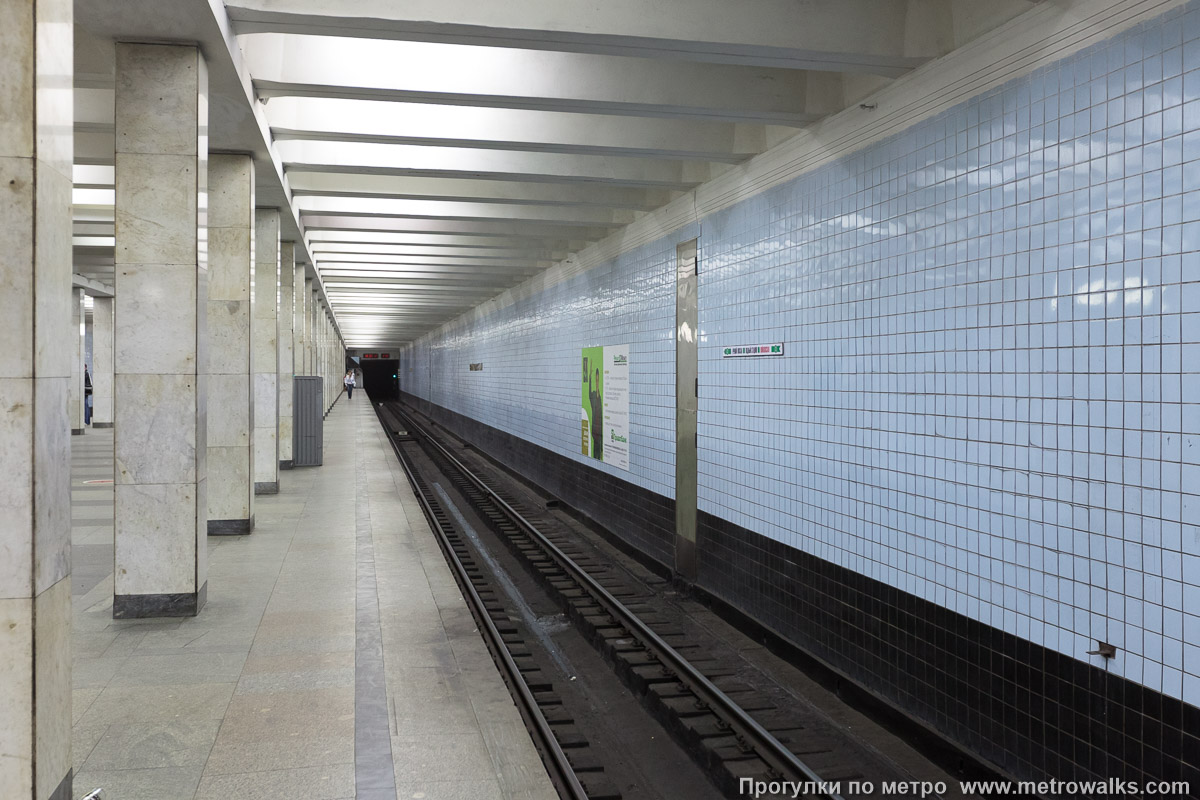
514	231
436	239
409	284
416	72
382	262
338	119
840	35
454	210
448	162
351	249
476	191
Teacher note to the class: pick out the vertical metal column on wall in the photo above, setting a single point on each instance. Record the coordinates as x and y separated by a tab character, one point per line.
686	382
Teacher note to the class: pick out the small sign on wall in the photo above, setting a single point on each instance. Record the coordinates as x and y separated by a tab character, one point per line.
752	350
476	367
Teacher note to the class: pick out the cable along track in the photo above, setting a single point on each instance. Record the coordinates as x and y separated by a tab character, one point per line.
722	736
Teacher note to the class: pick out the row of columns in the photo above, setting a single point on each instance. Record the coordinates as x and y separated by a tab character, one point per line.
192	359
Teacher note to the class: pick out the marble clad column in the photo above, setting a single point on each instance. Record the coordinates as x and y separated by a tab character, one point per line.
266	351
161	392
287	367
298	321
102	362
230	327
323	341
76	397
36	151
310	316
327	358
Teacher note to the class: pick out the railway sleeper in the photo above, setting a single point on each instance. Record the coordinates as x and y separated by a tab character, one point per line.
598	788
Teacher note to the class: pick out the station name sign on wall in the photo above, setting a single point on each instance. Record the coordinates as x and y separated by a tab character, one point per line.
752	350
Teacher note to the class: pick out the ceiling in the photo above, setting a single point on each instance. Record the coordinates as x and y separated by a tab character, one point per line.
434	153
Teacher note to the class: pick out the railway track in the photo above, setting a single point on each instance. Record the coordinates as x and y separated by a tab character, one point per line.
743	737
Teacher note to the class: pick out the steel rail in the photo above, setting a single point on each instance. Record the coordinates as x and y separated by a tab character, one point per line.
770	749
562	775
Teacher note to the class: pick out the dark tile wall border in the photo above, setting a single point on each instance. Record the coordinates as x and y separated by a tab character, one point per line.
642	519
1033	712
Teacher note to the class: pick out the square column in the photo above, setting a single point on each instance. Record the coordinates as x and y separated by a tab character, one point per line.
161	392
298	312
287	367
310	316
36	150
76	397
230	327
102	362
266	351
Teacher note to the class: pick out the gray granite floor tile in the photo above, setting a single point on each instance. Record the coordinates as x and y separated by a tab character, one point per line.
450	790
329	782
181	743
442	757
145	704
165	783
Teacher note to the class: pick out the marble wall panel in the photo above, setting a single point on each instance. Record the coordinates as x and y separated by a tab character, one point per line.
229	328
229	262
17	79
266	441
16	694
52	681
156	331
156	208
157	444
52	488
156	542
16	310
231	419
156	107
52	271
102	360
230	493
230	191
16	492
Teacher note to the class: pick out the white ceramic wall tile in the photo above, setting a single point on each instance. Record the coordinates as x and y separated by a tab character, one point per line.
990	396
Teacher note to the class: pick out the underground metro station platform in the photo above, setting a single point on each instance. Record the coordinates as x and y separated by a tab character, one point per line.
676	399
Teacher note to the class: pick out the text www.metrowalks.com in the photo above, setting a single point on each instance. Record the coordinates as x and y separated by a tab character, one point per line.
749	787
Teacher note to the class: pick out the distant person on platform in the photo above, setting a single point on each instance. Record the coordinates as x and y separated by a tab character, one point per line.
349	382
87	396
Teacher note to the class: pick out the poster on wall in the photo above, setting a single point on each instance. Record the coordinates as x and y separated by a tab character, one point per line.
604	415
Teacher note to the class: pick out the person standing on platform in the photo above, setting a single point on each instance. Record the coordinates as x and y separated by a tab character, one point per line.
349	382
87	396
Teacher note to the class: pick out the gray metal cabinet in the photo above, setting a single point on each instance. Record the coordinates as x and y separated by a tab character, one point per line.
307	421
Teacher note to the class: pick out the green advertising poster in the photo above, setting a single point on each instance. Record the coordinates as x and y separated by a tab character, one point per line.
604	408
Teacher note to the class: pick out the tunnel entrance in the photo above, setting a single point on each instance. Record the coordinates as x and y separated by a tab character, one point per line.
379	379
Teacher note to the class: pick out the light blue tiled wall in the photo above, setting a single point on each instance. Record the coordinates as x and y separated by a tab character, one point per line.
991	391
529	385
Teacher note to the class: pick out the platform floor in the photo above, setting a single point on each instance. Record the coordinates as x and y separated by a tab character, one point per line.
335	657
